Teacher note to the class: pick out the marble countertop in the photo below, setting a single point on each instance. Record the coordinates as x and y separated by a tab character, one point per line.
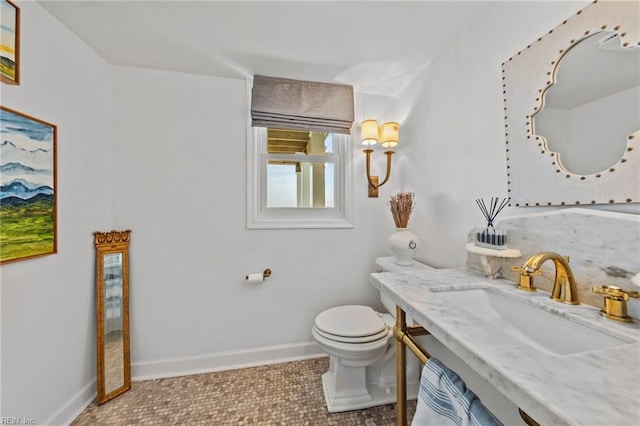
598	387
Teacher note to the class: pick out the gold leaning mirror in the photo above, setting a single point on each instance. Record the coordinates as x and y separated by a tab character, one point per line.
112	308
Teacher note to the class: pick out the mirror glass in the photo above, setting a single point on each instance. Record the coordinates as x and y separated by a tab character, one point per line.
112	306
113	328
593	105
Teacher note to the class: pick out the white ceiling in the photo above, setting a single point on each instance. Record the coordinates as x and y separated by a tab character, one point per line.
377	46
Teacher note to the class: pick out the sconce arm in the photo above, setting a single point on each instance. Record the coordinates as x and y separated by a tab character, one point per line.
388	174
368	152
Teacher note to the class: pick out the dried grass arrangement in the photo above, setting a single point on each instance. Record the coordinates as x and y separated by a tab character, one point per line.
401	207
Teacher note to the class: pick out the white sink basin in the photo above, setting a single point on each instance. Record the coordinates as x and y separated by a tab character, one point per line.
542	330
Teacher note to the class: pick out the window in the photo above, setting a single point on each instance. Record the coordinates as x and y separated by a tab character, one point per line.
297	179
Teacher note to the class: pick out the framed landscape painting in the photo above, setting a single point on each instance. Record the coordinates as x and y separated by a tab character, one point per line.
28	216
9	42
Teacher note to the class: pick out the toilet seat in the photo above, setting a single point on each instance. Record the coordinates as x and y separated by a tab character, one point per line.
355	340
351	324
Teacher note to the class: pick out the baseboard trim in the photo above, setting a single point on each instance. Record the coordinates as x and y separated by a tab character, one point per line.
75	406
222	361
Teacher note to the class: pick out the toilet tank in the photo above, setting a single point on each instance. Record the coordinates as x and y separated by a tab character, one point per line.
388	264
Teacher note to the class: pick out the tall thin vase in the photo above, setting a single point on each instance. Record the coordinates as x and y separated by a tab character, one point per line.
404	245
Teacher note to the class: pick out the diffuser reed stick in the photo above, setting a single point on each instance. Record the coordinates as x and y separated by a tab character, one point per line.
495	207
401	207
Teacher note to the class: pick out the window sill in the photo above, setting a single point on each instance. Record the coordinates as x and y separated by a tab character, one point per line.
301	224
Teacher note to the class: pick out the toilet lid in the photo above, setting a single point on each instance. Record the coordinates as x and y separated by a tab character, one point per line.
350	321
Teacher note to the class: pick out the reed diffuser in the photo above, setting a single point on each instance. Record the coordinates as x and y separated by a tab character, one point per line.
489	236
401	207
403	242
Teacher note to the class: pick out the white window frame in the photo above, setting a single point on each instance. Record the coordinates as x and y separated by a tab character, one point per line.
259	216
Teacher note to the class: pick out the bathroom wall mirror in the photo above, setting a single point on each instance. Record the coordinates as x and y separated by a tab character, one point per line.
594	104
112	308
572	111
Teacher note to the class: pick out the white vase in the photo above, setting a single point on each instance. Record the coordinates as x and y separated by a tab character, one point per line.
404	245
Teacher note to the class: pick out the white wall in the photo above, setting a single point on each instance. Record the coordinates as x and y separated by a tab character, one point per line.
453	134
179	184
170	165
176	173
48	316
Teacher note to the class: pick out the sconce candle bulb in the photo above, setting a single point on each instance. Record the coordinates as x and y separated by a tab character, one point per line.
372	133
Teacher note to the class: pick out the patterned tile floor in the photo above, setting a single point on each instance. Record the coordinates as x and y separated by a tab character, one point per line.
280	394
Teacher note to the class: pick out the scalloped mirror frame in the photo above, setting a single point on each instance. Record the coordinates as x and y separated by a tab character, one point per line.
534	177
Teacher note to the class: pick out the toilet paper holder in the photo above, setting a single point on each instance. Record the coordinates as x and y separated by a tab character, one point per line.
265	274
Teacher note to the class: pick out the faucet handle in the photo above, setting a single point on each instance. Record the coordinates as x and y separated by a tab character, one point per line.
615	302
615	292
525	280
525	270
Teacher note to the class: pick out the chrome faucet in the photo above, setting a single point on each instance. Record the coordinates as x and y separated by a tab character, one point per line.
564	286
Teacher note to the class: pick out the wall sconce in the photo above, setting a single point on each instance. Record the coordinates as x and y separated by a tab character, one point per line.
387	136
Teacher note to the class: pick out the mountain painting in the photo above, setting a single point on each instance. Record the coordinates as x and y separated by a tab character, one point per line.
27	186
9	42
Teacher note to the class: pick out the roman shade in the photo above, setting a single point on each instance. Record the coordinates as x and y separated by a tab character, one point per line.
304	105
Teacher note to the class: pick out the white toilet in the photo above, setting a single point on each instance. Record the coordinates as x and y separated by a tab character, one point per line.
361	347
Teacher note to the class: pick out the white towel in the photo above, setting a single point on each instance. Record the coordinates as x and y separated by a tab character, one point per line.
444	400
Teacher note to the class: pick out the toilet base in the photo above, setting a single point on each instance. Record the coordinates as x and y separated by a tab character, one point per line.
355	388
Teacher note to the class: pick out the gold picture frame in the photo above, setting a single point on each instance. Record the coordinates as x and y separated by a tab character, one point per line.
10	46
28	187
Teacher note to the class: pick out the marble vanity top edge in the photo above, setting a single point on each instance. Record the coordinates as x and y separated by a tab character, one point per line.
416	292
576	210
587	315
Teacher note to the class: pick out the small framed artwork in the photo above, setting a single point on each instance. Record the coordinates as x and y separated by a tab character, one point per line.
9	42
28	215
